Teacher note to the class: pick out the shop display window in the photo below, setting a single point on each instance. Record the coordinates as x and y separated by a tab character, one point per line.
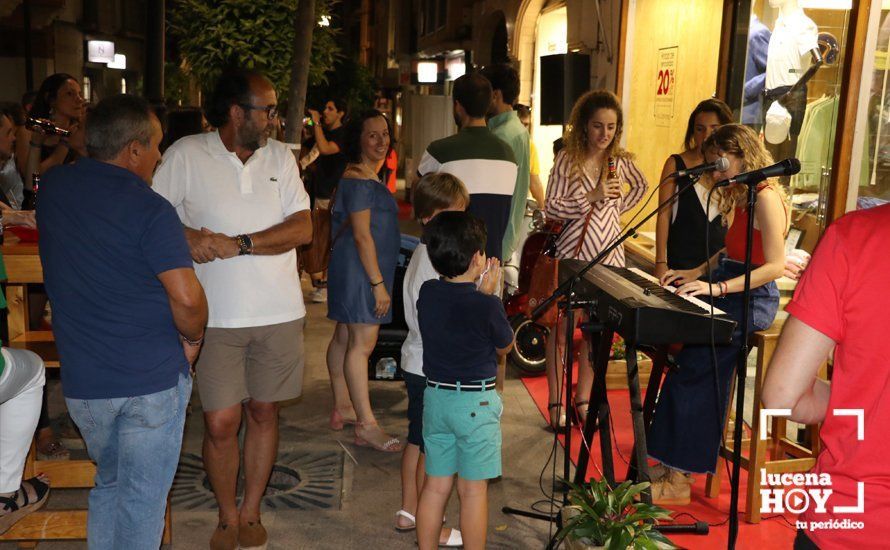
873	187
792	83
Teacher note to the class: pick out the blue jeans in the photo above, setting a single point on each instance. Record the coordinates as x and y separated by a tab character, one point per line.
135	443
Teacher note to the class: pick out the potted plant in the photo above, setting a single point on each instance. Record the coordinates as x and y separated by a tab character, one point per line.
604	517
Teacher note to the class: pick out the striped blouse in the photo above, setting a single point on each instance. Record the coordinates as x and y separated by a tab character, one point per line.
567	200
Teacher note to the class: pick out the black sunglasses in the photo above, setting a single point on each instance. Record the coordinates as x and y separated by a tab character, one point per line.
271	110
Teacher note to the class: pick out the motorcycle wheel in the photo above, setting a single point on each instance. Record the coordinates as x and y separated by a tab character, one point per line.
530	352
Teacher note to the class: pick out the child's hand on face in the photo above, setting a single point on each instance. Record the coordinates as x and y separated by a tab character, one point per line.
491	276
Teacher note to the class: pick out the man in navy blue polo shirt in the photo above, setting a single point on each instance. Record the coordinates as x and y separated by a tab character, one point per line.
128	318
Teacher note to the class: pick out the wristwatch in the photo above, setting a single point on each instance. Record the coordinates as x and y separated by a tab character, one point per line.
245	244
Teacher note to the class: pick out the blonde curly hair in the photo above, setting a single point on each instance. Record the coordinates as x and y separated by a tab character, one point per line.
575	138
744	143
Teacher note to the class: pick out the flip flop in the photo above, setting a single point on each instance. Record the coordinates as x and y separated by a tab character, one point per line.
455	540
406	515
14	512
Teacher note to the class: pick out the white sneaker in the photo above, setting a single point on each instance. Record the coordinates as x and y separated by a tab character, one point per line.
319	295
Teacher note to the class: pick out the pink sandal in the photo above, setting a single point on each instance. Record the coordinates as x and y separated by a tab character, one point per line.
391	445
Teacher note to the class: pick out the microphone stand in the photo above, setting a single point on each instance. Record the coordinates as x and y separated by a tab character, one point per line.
741	374
566	289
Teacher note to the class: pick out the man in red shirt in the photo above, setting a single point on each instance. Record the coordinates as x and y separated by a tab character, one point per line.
842	303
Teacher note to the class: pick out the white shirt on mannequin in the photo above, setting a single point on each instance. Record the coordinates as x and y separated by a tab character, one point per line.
793	38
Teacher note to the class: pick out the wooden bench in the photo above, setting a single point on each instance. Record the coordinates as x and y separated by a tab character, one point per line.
23	268
774	454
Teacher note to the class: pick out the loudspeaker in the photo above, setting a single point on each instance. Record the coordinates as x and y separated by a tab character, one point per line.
564	78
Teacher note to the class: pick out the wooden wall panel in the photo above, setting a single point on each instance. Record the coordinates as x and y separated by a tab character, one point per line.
694	27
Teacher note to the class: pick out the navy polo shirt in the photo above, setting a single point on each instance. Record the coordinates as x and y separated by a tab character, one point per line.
104	238
461	329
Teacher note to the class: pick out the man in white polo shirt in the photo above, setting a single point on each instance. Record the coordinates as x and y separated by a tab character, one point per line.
245	210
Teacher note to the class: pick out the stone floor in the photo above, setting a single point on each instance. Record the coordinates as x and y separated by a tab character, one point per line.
369	491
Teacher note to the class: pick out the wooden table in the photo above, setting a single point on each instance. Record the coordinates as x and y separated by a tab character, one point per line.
23	268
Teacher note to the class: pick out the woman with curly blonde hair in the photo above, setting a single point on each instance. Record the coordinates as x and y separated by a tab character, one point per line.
582	193
689	417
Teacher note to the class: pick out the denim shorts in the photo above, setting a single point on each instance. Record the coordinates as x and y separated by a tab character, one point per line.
415	385
462	433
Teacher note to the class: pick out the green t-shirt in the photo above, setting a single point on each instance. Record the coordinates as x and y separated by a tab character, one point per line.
509	128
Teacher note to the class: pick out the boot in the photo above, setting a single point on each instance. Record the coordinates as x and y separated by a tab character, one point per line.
673	489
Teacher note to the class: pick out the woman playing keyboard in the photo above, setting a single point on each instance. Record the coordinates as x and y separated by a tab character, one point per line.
689	418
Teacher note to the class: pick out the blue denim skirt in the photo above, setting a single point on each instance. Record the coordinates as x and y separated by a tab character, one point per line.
691	409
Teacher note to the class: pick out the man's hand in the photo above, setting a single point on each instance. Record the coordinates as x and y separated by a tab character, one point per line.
191	351
24	218
222	246
315	116
200	246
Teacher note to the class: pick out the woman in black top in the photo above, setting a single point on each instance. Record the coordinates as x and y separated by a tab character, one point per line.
60	101
681	230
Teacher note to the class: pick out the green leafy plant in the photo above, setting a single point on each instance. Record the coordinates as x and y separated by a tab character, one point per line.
610	517
255	34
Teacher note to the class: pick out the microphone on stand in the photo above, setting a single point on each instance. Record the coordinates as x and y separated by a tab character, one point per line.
719	165
787	167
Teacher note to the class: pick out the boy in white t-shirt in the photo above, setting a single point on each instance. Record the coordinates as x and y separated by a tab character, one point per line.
433	193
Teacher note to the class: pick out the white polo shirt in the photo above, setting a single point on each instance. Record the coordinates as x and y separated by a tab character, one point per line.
788	55
210	187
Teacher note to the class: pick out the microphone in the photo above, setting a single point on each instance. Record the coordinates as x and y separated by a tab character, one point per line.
613	168
787	167
719	165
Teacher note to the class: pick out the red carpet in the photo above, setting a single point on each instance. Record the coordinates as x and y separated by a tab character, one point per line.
769	534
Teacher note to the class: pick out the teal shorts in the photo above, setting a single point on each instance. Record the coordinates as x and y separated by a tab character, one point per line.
462	433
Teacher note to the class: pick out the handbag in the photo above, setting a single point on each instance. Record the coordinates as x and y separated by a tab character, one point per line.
545	279
545	275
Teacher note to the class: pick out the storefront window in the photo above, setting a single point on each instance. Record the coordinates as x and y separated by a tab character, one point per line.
792	84
873	186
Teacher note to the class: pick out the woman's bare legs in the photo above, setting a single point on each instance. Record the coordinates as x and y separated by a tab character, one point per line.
336	358
361	342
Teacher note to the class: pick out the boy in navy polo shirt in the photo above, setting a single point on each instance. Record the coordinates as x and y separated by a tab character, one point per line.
463	331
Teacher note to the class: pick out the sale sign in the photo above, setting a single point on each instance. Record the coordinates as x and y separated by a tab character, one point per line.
665	83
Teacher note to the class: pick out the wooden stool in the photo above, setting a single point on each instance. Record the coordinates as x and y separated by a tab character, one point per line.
779	446
23	267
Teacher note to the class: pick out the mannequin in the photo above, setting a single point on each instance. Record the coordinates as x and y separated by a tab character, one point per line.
793	45
755	71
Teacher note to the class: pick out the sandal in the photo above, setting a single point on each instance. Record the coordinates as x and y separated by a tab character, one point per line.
409	517
561	423
33	492
338	420
454	540
581	417
391	445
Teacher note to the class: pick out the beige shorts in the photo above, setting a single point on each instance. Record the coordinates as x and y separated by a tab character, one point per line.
262	363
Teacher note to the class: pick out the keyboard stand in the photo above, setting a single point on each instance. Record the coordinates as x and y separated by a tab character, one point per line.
600	420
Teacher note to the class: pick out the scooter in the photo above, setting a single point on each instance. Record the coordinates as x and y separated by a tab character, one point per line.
529	353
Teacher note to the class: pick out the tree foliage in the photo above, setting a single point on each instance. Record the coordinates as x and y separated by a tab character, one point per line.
256	34
350	81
